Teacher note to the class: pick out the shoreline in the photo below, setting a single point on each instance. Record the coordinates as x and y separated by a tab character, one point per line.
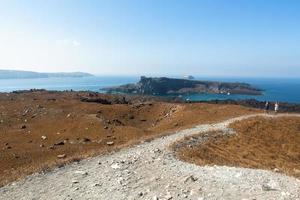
247	102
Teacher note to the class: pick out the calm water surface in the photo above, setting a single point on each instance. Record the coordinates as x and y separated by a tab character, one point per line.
287	90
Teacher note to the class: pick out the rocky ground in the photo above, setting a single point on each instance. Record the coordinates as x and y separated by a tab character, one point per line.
151	171
259	143
41	129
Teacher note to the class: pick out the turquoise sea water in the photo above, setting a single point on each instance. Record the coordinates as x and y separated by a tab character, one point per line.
277	89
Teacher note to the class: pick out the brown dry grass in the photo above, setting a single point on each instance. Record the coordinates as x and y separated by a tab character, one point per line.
63	117
259	143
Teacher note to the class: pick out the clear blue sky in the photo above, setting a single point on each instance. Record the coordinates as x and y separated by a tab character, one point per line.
152	37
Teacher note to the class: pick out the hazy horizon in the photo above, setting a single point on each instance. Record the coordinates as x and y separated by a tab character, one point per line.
227	38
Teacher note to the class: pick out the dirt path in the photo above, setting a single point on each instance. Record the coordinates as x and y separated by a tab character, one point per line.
150	171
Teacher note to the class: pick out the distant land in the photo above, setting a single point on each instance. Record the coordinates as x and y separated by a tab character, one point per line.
172	86
18	74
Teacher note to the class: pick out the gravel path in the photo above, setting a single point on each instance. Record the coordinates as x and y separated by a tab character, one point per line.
150	171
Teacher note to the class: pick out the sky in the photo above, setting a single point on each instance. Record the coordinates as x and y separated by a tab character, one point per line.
251	38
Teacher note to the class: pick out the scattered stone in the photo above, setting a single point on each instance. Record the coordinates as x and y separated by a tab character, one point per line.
140	194
115	166
276	170
266	188
191	178
7	147
270	186
51	147
61	156
59	143
84	140
25	112
41	145
110	143
155	198
105	127
69	115
157	150
16	156
75	181
23	126
44	137
84	173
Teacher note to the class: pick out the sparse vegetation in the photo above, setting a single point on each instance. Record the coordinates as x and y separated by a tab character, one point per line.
261	143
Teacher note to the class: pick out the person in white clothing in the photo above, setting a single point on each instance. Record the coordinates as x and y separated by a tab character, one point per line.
276	107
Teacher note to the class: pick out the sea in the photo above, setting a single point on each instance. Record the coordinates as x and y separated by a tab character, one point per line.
274	89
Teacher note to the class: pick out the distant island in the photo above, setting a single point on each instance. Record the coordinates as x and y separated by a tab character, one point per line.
17	74
172	86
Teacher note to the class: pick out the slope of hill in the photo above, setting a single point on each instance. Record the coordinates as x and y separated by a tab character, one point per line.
17	74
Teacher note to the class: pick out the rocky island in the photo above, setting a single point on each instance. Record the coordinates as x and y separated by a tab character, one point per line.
173	86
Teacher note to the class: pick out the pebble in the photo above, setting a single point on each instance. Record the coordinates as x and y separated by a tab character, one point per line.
84	173
110	143
115	166
191	178
44	137
276	170
61	156
140	194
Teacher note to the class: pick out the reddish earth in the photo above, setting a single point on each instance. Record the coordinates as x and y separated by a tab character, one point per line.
260	143
40	129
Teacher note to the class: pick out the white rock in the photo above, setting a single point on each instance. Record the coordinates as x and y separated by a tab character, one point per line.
44	137
115	166
81	172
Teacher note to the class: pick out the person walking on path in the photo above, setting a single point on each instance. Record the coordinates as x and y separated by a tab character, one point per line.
276	107
267	106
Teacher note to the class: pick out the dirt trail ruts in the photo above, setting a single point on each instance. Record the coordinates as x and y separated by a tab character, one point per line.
150	171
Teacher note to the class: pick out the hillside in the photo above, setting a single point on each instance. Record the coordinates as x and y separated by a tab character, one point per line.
17	74
38	125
